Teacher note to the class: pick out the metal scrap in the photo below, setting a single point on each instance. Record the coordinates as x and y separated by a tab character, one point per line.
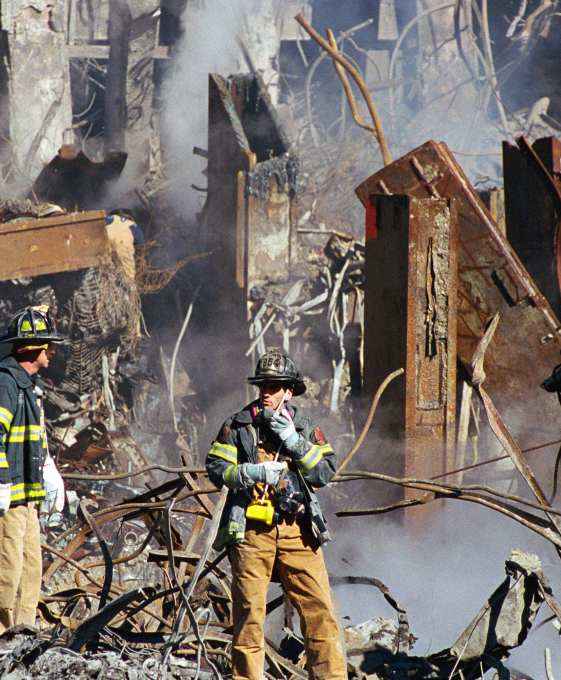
501	625
334	294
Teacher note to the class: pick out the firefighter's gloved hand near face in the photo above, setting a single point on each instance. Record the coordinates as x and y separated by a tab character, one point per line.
283	426
271	457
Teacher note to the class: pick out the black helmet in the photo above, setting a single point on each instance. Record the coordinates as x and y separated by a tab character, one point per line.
276	366
32	326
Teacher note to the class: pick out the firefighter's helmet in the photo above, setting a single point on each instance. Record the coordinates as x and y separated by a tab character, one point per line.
31	327
276	366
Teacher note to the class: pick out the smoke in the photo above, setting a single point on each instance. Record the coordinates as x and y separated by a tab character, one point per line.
210	44
443	573
441	564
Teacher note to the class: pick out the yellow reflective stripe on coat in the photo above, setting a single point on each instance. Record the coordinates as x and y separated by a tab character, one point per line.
25	433
227	452
6	417
230	475
314	455
3	460
26	428
26	491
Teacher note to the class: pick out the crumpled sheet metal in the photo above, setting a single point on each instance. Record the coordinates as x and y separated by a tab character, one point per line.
501	625
504	621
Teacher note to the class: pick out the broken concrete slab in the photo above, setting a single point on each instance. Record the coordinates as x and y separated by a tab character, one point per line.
40	101
501	625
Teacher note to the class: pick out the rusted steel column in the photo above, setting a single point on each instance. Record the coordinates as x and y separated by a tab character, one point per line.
533	211
411	302
268	223
491	279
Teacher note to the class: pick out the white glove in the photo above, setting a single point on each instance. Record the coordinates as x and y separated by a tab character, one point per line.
5	497
268	472
54	486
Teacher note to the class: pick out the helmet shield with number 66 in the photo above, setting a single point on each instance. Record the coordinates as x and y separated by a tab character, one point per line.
277	367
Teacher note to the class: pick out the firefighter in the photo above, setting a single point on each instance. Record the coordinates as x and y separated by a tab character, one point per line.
271	457
28	475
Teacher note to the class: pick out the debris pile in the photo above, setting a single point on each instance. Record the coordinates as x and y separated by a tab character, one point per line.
444	280
325	310
161	628
378	649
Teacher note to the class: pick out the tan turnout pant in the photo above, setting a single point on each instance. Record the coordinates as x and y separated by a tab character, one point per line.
304	578
20	566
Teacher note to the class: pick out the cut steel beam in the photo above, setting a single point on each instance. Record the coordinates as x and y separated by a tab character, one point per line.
53	244
411	297
491	278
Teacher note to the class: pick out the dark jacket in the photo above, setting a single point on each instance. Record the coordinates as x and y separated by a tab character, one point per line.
236	443
23	440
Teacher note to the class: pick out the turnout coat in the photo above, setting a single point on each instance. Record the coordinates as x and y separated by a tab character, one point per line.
236	443
23	439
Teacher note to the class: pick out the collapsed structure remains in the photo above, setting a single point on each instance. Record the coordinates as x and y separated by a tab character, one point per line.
437	322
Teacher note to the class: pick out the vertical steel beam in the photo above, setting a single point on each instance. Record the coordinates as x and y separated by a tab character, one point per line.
533	213
411	303
120	21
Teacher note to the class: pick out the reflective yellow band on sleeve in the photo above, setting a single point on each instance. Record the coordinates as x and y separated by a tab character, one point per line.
28	491
18	438
6	417
314	455
25	433
227	452
231	475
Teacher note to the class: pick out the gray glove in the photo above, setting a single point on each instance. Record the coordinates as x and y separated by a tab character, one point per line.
269	472
5	498
283	426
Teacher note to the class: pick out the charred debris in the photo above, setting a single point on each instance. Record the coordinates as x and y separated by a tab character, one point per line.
419	327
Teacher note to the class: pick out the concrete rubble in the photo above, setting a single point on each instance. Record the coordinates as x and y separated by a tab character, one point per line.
445	286
376	649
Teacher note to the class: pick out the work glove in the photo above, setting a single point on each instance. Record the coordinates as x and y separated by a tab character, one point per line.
54	487
5	496
269	472
283	426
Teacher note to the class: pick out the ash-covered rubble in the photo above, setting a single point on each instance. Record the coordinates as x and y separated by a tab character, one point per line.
319	316
377	649
380	649
59	663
